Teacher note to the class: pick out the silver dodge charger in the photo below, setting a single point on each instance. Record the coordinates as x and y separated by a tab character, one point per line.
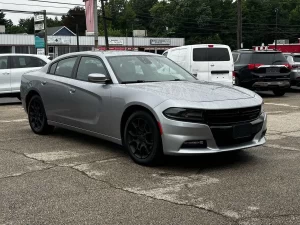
143	101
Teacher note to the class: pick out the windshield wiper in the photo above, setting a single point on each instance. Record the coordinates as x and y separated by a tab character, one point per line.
178	80
137	81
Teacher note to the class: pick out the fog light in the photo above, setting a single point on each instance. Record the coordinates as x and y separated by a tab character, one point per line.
194	144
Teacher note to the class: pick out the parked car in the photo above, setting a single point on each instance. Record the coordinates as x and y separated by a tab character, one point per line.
124	98
262	71
294	61
212	63
12	67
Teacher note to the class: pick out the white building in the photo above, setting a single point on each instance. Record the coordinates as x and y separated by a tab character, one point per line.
59	45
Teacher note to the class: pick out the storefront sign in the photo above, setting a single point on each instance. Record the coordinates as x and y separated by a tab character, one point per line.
115	42
39	42
53	40
113	48
39	26
40	51
38	17
160	41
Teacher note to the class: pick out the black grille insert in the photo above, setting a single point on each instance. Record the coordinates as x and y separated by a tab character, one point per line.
232	116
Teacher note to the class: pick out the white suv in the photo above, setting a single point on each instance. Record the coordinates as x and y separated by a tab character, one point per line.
12	67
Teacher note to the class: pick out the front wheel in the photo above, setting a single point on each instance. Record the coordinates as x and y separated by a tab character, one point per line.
279	93
37	117
142	139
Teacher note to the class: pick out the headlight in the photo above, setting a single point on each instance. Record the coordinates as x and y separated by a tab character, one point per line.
187	115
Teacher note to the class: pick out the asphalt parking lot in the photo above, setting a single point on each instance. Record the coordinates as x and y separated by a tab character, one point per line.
70	178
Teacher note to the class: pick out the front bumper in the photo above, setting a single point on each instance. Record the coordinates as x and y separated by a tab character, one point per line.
175	133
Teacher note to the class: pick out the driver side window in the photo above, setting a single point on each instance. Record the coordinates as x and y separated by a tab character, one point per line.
89	65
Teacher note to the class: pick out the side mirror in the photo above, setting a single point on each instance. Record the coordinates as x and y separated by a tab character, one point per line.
98	78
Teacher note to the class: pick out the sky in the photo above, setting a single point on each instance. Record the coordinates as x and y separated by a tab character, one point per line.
35	6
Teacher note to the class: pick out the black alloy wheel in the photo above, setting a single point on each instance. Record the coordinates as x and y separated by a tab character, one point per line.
37	116
142	139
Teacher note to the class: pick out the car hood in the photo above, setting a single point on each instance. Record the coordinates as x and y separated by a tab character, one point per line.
194	91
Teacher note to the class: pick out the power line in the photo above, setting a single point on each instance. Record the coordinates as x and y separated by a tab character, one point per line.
6	3
62	3
31	12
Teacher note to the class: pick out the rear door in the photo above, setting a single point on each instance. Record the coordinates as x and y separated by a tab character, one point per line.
5	75
199	63
220	64
21	65
55	90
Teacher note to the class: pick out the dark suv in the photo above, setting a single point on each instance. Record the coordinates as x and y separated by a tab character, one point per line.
262	71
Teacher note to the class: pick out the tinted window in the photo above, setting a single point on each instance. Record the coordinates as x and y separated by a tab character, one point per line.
147	69
3	63
53	68
65	67
245	58
27	62
235	56
268	58
218	54
297	58
199	55
89	65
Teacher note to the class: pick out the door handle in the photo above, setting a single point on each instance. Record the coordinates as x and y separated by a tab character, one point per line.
212	65
72	90
6	73
44	83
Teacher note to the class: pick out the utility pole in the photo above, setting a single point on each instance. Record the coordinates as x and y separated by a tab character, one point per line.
46	33
96	23
77	36
239	24
276	35
104	24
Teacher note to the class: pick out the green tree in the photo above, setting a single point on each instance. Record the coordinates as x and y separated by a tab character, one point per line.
73	17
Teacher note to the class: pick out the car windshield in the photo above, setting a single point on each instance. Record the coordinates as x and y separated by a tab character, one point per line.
141	68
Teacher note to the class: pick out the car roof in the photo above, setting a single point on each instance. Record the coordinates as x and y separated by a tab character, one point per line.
249	51
106	54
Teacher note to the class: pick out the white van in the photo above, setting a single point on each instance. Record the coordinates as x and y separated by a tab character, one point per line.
208	62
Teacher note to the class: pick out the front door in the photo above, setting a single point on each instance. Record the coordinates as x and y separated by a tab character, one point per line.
4	75
90	102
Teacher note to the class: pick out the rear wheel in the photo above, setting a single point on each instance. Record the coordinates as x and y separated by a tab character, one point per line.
37	116
279	92
142	139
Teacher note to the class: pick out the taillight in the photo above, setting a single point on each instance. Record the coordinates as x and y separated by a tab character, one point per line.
233	74
254	66
210	46
288	66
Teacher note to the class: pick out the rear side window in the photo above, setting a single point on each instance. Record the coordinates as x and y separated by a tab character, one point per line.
297	58
199	55
65	67
27	62
218	54
269	58
235	56
3	63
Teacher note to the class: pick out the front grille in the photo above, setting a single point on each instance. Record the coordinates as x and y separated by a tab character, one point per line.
224	135
231	116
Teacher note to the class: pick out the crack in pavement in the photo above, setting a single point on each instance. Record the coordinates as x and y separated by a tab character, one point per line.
269	217
28	172
151	197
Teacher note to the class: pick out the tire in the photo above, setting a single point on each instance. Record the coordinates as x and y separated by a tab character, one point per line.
237	82
279	93
142	139
37	117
